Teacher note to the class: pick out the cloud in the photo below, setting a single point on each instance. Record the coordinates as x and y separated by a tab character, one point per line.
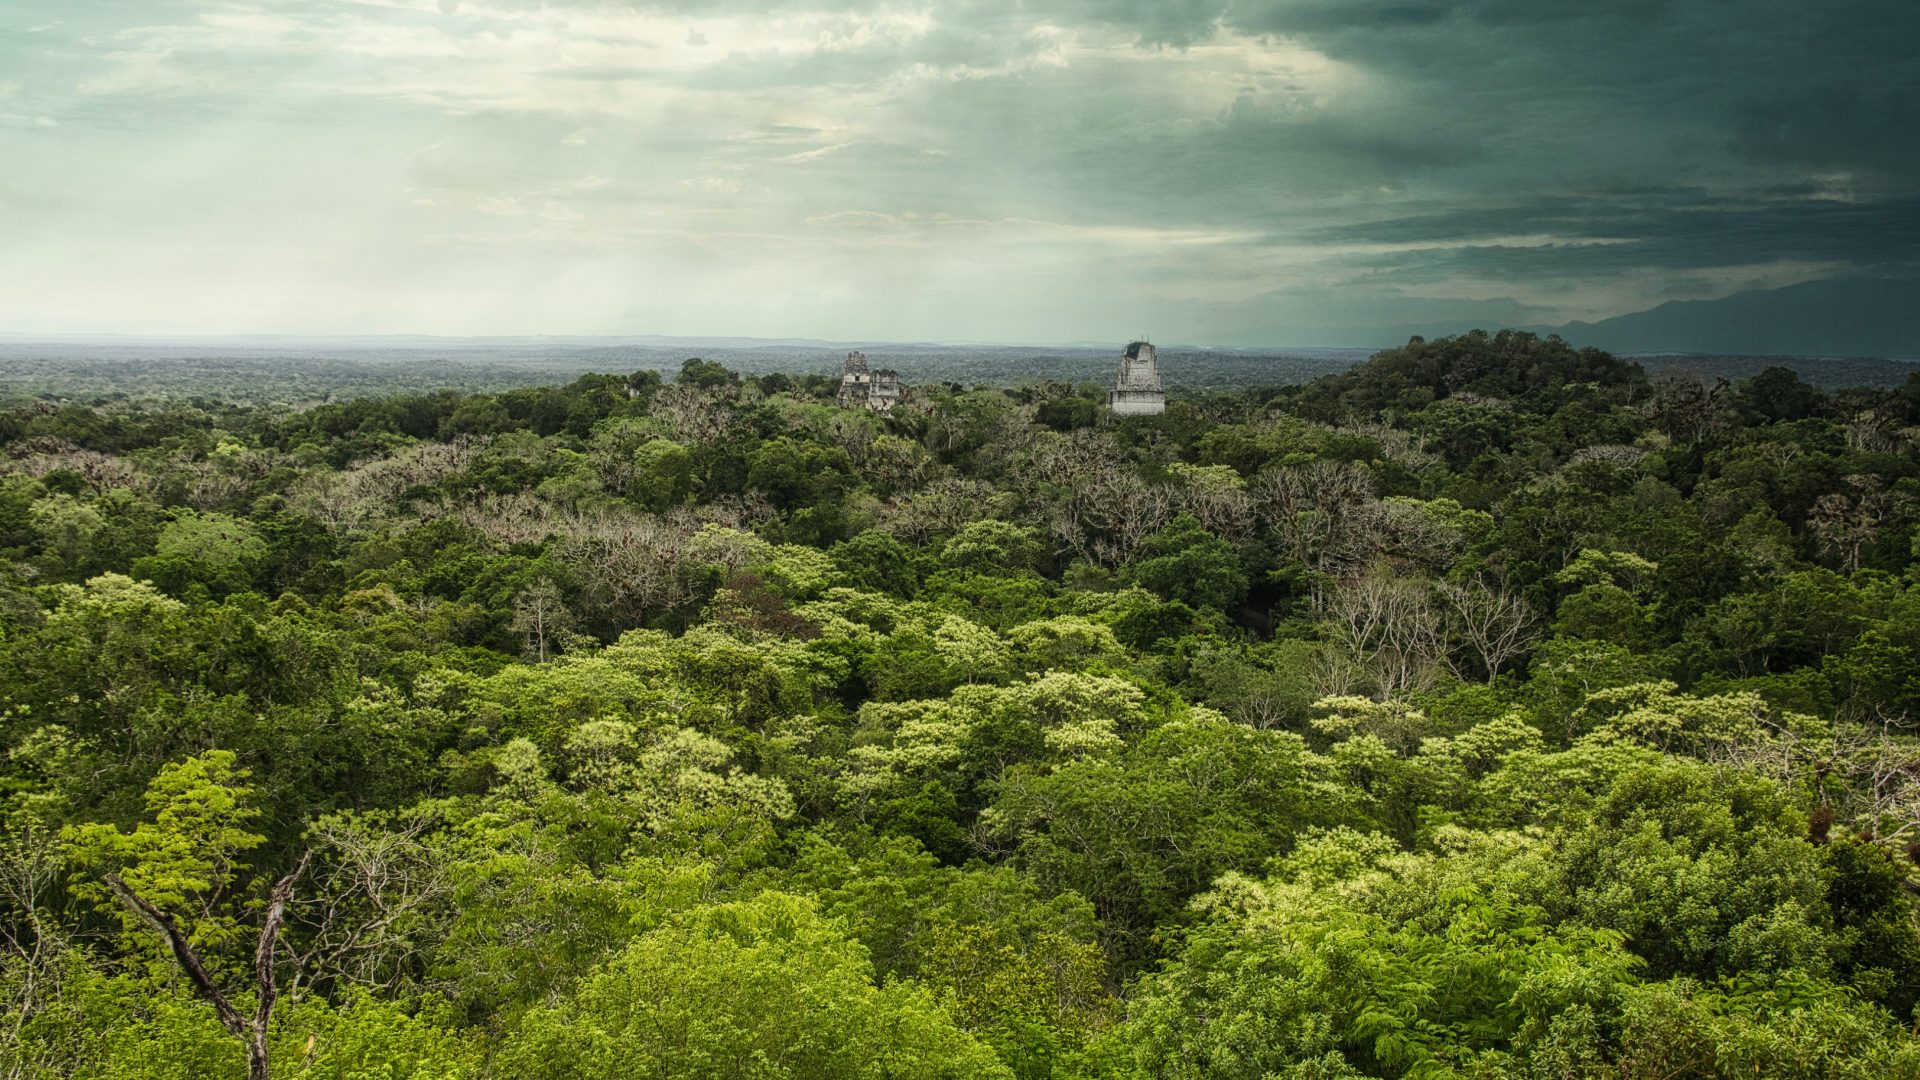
1682	229
815	153
1043	167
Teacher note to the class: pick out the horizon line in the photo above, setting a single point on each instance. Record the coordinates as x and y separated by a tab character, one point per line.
741	341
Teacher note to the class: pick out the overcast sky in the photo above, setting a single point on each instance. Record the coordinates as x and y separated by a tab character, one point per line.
1251	172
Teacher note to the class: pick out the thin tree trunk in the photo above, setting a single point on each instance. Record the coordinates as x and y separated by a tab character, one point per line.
252	1033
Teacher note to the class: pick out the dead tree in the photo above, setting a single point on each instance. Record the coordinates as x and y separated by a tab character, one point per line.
1847	524
1686	408
541	617
30	941
1110	514
1319	515
1390	626
1496	624
371	902
252	1032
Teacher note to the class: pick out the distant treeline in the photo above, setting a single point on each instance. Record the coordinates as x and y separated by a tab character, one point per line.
309	375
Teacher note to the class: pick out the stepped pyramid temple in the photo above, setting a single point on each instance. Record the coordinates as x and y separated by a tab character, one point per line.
1136	391
877	390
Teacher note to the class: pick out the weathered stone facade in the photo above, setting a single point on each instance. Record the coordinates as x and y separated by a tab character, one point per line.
886	390
876	389
1136	390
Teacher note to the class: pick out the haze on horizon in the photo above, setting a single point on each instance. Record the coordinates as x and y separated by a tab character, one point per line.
1213	171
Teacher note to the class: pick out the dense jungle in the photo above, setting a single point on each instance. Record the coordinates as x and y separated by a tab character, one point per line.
1493	709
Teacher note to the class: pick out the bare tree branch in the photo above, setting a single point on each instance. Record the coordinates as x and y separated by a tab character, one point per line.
183	954
251	1032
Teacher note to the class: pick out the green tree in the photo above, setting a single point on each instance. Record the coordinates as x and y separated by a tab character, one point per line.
705	374
757	988
185	859
662	474
220	552
1185	562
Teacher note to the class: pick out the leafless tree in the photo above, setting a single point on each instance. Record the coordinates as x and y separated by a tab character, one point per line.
1063	460
940	509
1402	533
369	917
1846	522
1686	408
215	479
1397	444
251	1031
632	564
519	518
853	431
1335	672
693	414
742	511
1485	401
1390	626
1495	624
1628	459
1862	774
30	867
1109	514
1873	428
540	617
36	446
1225	513
1225	510
102	472
1886	774
348	499
1314	513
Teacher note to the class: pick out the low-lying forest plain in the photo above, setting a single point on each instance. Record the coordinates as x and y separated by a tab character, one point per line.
1491	710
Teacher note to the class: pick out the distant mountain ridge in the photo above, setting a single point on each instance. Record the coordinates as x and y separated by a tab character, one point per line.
1831	317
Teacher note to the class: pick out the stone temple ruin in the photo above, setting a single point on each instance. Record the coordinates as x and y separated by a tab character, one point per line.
877	390
1136	390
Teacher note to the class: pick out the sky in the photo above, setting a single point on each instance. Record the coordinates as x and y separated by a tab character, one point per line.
1232	172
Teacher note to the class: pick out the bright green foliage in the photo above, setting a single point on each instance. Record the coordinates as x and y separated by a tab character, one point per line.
1706	872
1025	972
120	1029
66	529
184	859
1140	830
991	547
877	562
1489	711
1793	1028
1464	986
214	550
758	988
1065	643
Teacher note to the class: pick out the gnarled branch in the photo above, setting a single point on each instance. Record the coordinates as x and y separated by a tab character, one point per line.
253	1033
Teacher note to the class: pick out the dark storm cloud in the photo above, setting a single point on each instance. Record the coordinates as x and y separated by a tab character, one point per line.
1677	229
1833	84
1040	167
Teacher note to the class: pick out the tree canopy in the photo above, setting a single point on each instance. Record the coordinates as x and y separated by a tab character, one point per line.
1491	710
